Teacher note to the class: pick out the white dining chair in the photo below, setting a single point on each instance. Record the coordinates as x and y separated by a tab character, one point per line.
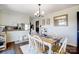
31	41
36	44
29	48
39	46
61	48
37	37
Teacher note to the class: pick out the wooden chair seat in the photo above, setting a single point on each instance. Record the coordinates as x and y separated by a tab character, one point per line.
56	48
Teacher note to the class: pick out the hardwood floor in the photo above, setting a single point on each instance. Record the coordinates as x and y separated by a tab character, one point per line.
71	49
16	47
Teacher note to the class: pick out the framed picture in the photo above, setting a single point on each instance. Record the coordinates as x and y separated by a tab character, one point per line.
61	20
48	21
43	21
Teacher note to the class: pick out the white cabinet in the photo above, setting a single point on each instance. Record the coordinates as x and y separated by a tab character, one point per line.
15	36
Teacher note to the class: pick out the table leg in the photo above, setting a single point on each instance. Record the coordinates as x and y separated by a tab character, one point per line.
50	49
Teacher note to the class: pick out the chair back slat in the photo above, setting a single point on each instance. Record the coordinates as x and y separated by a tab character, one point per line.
31	41
39	45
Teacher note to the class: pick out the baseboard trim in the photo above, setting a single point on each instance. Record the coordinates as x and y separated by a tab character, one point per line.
72	46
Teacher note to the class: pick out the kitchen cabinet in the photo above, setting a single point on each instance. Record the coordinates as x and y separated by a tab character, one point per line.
15	36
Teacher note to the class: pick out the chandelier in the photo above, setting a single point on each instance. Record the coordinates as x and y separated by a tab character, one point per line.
39	13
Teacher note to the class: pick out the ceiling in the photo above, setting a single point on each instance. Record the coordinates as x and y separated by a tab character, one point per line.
30	9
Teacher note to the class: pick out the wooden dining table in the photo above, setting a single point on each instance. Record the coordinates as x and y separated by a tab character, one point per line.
50	42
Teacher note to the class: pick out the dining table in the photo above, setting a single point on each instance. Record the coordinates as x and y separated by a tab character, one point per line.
50	42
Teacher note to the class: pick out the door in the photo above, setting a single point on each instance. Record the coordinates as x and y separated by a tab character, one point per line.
78	32
37	26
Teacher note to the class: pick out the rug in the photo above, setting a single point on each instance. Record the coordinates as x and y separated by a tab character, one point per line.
8	52
26	50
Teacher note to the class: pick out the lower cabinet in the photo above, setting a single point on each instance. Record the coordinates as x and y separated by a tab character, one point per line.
16	36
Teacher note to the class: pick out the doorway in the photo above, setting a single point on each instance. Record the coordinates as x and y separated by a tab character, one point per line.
37	26
77	32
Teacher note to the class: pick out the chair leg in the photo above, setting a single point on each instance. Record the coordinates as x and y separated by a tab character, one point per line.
49	51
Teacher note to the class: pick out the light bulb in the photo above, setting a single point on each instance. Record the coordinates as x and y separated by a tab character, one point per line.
42	12
35	13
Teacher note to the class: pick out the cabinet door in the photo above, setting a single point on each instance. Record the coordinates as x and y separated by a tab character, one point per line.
13	36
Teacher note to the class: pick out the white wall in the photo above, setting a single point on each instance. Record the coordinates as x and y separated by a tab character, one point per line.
12	18
69	31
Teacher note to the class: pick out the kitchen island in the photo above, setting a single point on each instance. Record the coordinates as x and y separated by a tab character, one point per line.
16	35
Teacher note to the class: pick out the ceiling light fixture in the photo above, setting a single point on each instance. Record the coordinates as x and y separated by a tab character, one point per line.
39	13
